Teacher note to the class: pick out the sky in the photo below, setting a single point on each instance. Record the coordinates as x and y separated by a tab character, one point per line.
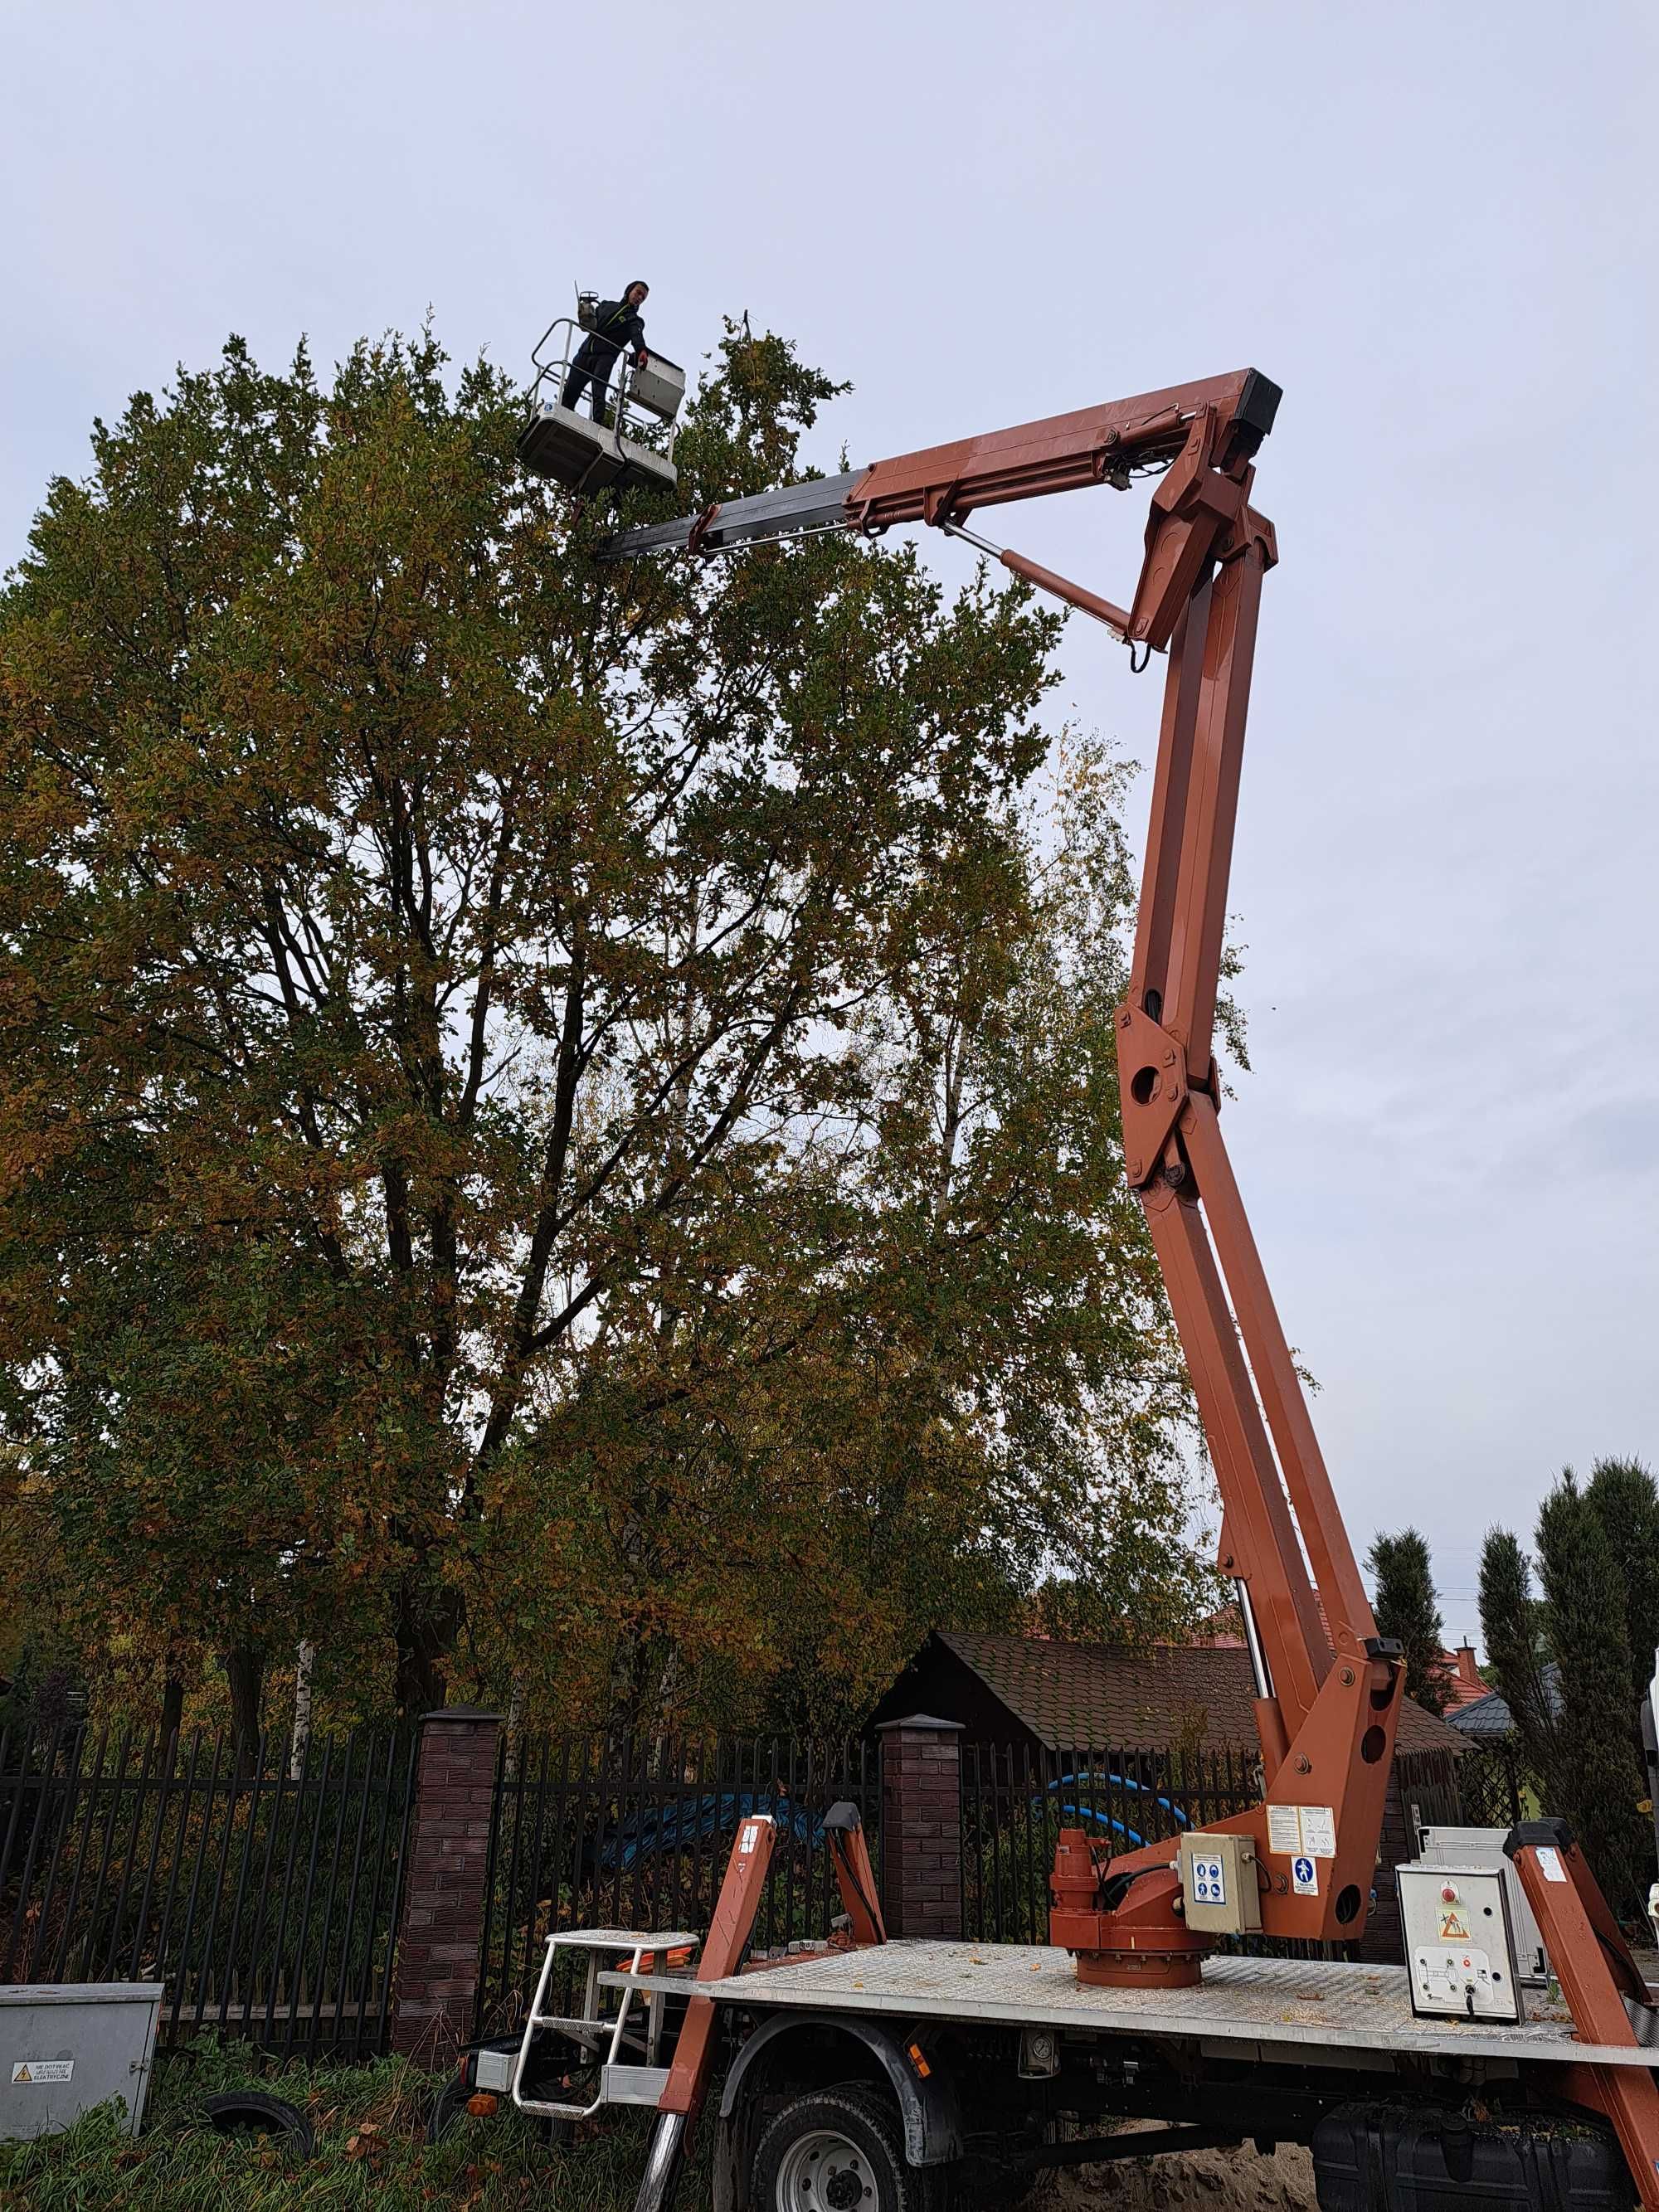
1431	224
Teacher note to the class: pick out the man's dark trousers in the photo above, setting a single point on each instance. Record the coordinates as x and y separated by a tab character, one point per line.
594	361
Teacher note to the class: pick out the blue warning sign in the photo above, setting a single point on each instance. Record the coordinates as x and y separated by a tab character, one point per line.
1304	1877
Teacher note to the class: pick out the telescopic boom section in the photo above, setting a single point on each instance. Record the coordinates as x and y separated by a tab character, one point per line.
1328	1691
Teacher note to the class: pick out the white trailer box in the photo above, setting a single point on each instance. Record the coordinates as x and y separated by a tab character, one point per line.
66	2046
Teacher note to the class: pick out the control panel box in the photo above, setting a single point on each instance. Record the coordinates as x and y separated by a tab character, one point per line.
1441	1846
1460	1949
1220	1884
657	386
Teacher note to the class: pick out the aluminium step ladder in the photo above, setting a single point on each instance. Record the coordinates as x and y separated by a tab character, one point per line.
630	2071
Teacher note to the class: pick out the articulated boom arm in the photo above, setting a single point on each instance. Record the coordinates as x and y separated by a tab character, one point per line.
1328	1691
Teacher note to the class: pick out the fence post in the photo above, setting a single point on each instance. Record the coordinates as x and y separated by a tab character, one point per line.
921	1826
441	1926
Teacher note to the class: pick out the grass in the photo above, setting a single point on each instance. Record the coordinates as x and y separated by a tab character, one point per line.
372	2152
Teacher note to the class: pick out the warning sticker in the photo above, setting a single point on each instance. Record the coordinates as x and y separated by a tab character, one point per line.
1319	1832
1549	1864
749	1836
1304	1876
1306	1832
1284	1828
42	2070
1453	1928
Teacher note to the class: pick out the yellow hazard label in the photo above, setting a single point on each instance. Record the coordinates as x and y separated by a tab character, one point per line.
1453	1928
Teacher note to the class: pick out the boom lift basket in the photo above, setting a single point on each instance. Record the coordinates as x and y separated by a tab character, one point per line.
621	453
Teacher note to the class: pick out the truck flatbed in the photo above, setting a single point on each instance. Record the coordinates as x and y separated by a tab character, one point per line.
1241	2001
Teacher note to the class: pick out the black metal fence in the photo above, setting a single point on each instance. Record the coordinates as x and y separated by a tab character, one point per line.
264	1897
1015	1802
611	1832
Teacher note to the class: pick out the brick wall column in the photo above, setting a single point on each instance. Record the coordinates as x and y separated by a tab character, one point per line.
440	1923
921	1826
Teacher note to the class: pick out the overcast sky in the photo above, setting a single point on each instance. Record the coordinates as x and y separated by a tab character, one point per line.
1431	224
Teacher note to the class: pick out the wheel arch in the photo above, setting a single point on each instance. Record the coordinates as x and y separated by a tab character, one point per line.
927	2103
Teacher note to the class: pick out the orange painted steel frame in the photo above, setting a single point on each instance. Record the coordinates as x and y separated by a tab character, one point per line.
742	1888
1328	1703
1328	1688
739	1902
1593	1964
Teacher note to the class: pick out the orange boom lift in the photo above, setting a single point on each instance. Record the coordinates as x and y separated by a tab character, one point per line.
1328	1688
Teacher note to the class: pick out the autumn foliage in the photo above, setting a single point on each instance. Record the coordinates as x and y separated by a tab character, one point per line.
556	1122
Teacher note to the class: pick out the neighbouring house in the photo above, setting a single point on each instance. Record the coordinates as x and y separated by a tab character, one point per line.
1487	1719
1040	1698
1462	1679
1050	1696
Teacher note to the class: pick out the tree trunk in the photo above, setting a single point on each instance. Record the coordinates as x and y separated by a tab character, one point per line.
172	1709
304	1662
427	1626
244	1675
515	1723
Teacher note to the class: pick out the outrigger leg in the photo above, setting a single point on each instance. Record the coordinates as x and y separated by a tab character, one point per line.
1603	1986
735	1911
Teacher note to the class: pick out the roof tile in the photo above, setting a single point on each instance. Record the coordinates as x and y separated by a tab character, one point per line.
1076	1695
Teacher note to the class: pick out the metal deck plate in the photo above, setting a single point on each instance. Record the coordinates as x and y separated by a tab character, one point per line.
556	441
1259	2000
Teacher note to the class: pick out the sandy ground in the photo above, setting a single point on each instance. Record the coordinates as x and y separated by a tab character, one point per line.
1200	2181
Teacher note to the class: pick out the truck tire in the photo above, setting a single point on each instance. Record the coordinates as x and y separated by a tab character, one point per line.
838	2149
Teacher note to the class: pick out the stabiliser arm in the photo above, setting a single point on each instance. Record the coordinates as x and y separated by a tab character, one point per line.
1328	1691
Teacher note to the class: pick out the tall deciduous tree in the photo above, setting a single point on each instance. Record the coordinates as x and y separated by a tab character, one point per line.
556	1120
1408	1607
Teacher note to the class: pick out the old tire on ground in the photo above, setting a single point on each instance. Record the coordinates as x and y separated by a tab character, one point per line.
249	2112
839	2149
451	2099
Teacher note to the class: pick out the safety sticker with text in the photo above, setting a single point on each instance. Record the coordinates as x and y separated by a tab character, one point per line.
1301	1831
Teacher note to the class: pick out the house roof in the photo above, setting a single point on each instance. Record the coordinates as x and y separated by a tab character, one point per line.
1485	1721
1461	1678
1069	1695
1489	1718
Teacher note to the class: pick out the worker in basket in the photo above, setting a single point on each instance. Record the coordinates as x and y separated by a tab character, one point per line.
616	323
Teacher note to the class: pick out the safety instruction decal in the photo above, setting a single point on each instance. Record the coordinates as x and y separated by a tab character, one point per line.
1304	1876
1319	1832
749	1836
42	2070
1209	1883
1301	1831
1453	1928
1284	1828
1549	1864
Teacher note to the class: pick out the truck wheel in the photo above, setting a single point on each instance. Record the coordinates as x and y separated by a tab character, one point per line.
834	2150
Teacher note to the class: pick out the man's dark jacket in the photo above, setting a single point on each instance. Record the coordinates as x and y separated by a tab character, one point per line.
616	323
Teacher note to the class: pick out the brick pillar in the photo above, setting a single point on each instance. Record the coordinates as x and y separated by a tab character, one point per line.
441	1926
921	1826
